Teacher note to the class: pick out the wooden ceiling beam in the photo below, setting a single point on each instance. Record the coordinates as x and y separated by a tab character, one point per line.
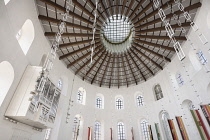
63	9
110	80
142	12
129	8
191	7
155	45
71	34
110	7
88	61
82	57
148	58
123	7
78	51
105	71
152	52
160	37
117	7
135	10
131	69
95	63
137	66
104	8
77	43
124	70
86	11
58	21
99	68
142	62
98	12
187	24
154	12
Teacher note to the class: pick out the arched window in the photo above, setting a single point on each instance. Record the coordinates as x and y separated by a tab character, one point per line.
6	79
99	102
76	127
140	100
145	130
166	127
97	131
6	2
81	94
120	131
158	92
179	79
60	84
202	58
25	36
47	134
119	103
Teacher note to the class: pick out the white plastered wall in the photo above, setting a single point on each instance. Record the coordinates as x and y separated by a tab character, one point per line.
14	14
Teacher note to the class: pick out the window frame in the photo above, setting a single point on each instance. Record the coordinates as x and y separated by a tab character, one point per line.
119	103
140	102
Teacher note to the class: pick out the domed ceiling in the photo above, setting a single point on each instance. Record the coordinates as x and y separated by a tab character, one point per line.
131	43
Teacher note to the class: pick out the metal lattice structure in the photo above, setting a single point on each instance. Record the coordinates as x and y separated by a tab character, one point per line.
150	50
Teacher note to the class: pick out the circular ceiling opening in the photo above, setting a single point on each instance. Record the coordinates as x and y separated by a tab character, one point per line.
117	29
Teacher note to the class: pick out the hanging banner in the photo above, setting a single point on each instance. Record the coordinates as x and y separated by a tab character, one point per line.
206	112
182	128
89	133
200	125
173	130
132	133
150	132
157	131
111	132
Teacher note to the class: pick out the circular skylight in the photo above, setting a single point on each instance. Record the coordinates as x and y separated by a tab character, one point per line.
117	29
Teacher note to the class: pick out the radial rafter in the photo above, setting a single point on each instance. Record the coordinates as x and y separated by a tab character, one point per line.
187	24
191	7
154	12
110	80
152	52
133	52
105	71
155	45
149	59
76	43
99	68
134	62
79	50
135	10
87	62
82	57
160	37
127	61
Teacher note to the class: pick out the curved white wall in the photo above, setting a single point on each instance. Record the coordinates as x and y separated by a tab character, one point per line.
131	115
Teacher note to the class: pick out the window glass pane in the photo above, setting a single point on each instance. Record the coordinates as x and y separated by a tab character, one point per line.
76	127
140	100
80	96
121	131
119	103
97	131
145	129
202	58
98	102
158	92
